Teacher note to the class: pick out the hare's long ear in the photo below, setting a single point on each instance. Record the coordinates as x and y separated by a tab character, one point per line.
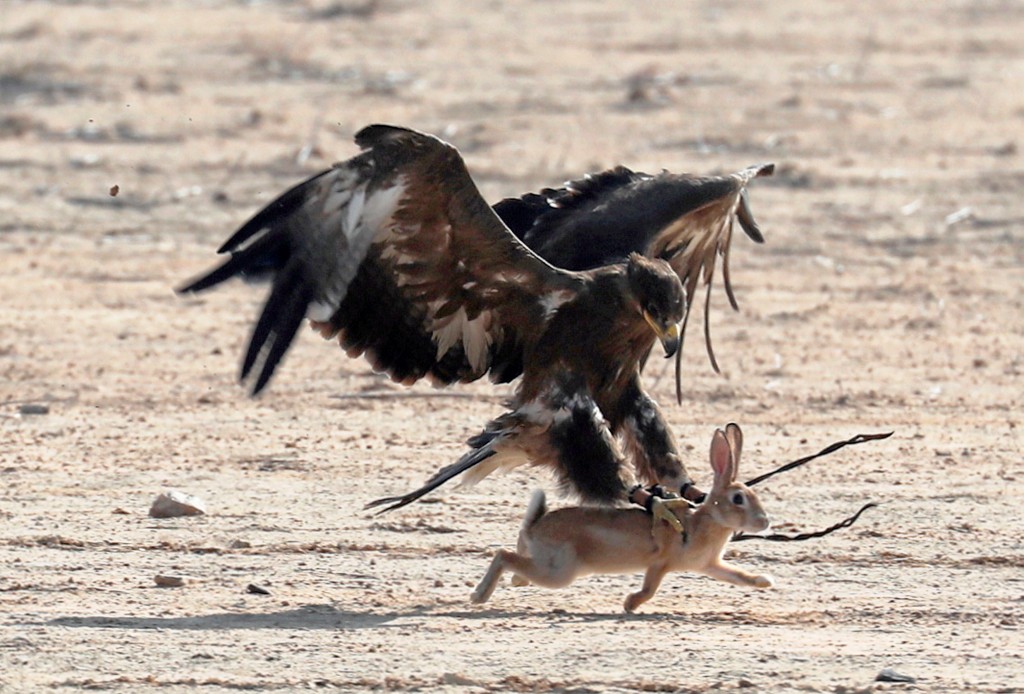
735	438
721	460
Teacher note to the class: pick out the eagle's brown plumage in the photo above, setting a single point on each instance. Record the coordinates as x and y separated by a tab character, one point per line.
395	253
601	218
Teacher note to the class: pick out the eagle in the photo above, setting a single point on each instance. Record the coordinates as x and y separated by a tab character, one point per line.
395	254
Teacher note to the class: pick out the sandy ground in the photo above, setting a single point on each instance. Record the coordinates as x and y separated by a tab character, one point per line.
890	295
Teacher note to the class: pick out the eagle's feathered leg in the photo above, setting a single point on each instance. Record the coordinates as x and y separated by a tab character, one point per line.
650	442
588	457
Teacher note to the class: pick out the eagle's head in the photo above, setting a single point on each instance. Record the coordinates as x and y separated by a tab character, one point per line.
660	296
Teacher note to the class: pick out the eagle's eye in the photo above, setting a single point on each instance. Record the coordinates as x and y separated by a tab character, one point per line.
737	499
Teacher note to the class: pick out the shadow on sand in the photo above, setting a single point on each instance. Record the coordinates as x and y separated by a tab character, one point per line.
325	616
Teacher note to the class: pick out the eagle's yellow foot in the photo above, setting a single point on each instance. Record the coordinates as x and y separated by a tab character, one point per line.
665	509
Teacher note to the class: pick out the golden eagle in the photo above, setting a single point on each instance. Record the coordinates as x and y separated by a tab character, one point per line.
395	253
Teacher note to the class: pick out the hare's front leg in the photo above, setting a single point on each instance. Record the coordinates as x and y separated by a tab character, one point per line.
652	579
735	575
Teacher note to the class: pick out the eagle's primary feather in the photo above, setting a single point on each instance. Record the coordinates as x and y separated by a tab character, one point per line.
395	253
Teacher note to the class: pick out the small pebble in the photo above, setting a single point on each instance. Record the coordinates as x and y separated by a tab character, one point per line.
963	214
256	590
890	675
169	581
458	679
173	504
32	408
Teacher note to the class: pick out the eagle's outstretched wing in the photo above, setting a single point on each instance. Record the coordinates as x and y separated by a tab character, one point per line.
601	218
396	253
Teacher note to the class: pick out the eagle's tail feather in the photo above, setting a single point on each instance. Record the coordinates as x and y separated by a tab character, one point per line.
469	460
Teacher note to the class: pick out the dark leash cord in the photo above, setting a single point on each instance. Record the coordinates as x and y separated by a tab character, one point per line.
776	537
859	438
845	523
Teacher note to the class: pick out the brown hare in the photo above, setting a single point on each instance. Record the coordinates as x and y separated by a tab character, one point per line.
555	548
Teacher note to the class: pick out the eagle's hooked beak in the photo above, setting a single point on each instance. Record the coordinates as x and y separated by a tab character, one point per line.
669	335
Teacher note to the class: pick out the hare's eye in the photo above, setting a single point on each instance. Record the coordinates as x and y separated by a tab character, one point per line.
737	499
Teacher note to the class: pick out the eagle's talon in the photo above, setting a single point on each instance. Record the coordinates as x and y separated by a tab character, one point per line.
661	509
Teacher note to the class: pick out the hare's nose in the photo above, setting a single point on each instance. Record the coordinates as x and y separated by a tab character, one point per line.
761	522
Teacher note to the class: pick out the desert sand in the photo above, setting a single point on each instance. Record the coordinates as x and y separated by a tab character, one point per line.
889	296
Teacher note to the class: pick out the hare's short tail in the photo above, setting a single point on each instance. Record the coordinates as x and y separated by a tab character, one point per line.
537	508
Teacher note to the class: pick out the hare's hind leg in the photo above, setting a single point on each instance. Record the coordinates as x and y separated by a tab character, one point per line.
489	582
504	561
523	549
555	571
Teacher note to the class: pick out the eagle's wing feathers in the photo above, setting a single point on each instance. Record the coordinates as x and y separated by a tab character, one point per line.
602	218
396	253
693	242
